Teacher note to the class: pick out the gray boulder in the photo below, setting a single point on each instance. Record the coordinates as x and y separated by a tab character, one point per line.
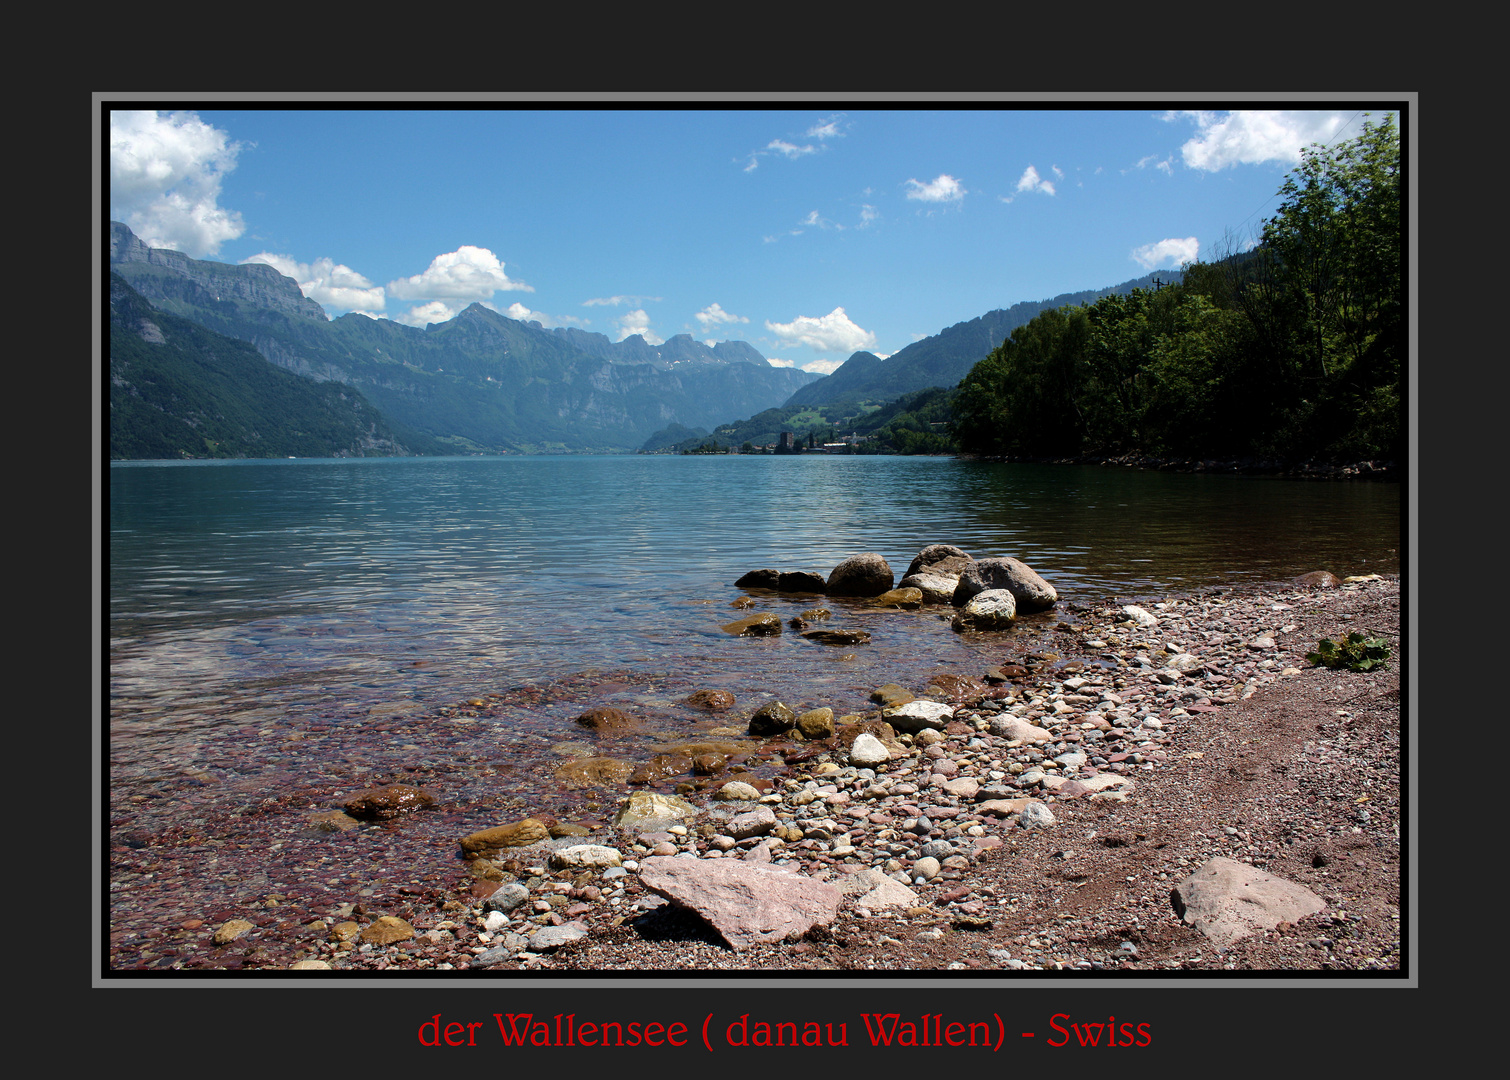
1031	592
939	559
868	750
914	716
993	609
936	588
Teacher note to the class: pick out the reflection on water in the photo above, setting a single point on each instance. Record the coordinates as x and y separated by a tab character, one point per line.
263	600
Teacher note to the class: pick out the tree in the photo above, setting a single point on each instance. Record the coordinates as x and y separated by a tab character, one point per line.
1337	234
1026	396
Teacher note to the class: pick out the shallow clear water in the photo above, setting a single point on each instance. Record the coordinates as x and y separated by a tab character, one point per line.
264	614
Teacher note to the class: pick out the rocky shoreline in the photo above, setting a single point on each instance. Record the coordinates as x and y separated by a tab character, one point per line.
1064	817
1249	466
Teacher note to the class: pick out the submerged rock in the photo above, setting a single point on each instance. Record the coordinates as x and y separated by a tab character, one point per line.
764	624
709	764
605	718
661	767
891	694
595	772
386	930
515	834
907	598
837	637
388	802
955	686
711	700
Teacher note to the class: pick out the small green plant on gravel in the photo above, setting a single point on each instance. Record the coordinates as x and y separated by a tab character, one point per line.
1358	653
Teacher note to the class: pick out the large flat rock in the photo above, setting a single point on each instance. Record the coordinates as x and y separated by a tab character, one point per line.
1227	900
748	903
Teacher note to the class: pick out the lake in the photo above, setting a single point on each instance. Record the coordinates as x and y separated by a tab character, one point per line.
312	623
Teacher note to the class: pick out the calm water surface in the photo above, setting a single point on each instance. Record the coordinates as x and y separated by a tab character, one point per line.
261	613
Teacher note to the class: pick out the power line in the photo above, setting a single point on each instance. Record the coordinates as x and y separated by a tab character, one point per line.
1337	135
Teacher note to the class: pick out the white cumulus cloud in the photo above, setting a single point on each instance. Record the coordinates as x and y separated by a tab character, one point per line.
522	313
637	322
1170	253
327	282
165	180
468	273
1254	137
1031	181
713	316
942	189
833	332
433	312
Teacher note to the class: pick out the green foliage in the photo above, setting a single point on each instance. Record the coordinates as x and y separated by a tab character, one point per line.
1026	396
1290	351
178	390
1358	653
916	423
945	358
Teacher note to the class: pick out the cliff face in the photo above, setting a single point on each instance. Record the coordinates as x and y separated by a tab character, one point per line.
170	279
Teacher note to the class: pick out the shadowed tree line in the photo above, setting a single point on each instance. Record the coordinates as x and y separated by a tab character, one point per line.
1291	350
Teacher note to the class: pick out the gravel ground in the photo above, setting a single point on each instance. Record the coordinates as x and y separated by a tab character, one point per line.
1259	757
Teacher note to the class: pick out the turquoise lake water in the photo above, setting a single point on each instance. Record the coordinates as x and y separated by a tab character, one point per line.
268	601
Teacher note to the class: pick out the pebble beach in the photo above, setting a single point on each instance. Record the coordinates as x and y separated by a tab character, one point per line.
1037	815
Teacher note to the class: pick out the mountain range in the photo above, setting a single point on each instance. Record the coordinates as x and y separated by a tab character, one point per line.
478	383
178	390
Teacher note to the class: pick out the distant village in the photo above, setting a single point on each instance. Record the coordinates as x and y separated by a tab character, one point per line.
787	443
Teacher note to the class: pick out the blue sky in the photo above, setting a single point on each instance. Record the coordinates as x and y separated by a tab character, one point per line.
808	232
